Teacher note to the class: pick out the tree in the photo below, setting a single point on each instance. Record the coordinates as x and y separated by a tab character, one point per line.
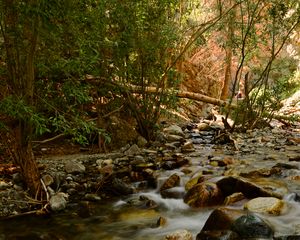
20	35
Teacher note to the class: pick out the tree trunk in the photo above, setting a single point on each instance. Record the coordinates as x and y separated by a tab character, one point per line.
20	46
228	59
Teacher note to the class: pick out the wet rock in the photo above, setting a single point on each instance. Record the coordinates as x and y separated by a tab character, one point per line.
269	205
180	235
161	222
251	226
58	201
203	195
235	197
187	147
219	224
218	235
230	185
74	167
294	157
197	178
173	130
172	181
133	150
119	187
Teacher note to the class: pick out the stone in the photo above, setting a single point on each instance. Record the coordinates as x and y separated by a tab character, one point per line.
203	126
219	224
198	178
231	184
58	201
180	235
118	187
294	157
172	181
203	195
174	138
235	197
4	185
133	150
48	179
268	205
161	222
187	147
141	142
251	226
74	167
92	197
174	130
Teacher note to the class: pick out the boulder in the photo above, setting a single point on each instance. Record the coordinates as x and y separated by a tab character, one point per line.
268	205
203	195
218	225
74	167
251	226
234	224
230	185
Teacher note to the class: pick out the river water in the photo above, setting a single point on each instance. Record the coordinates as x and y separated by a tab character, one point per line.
119	220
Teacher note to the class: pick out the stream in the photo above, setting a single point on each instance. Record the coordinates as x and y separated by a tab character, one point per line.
119	219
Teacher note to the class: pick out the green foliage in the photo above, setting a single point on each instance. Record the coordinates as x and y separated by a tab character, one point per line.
17	109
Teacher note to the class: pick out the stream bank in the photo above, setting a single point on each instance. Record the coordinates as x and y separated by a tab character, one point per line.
152	193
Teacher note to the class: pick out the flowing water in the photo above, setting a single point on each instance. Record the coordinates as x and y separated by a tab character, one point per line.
118	220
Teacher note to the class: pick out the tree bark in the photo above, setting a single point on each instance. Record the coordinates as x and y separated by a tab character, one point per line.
20	46
228	50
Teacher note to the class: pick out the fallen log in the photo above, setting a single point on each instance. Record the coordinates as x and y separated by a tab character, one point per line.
202	98
183	94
